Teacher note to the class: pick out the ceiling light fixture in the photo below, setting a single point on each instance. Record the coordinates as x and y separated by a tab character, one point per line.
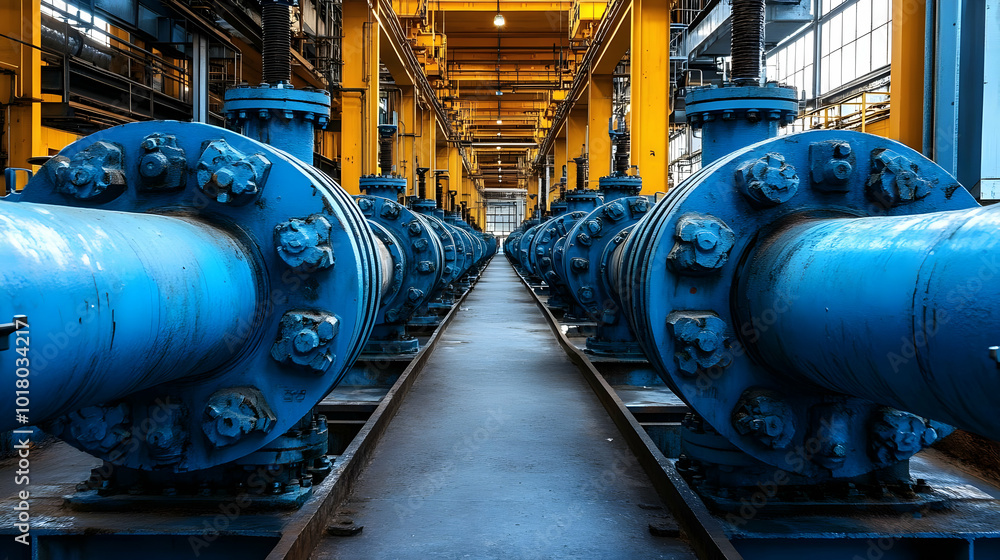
498	19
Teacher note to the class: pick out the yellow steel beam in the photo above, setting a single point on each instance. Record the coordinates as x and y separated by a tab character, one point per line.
506	6
907	74
359	117
21	19
599	111
650	89
609	27
393	58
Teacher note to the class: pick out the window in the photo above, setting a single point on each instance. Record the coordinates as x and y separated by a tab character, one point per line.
87	23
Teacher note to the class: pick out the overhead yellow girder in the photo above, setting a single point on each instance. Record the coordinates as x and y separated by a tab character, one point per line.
23	137
506	6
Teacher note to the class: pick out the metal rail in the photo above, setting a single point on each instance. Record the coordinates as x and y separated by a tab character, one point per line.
308	525
705	534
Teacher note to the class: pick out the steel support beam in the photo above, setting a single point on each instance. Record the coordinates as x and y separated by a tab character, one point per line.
21	65
651	98
907	105
359	115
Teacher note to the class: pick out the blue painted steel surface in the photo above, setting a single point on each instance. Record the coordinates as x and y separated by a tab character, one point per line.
232	287
541	260
417	264
735	116
773	309
280	116
66	265
588	250
896	310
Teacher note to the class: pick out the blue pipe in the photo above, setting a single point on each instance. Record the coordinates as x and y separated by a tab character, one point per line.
119	302
901	310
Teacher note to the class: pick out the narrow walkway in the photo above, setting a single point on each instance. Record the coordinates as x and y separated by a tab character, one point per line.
502	450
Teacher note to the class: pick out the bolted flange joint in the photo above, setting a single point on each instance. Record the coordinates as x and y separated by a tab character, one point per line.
234	413
699	341
895	180
96	173
897	435
767	181
305	243
702	245
163	165
304	339
764	415
229	176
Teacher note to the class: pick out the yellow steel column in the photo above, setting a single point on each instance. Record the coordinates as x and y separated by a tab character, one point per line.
359	116
456	174
599	143
427	147
446	180
650	74
906	105
576	140
21	19
408	126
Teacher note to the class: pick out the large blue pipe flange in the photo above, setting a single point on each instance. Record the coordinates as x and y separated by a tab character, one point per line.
540	256
524	248
794	290
452	268
279	115
582	200
619	186
193	293
586	268
734	116
417	258
509	247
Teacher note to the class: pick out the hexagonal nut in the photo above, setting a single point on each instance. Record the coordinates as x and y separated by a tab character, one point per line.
593	227
163	165
579	265
426	267
95	173
896	435
639	204
305	340
305	243
832	163
228	176
413	295
421	245
764	415
390	210
699	341
767	181
100	428
895	180
168	436
234	413
365	203
414	228
614	211
584	240
703	245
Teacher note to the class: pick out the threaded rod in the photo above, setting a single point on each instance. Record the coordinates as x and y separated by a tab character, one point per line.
581	172
748	39
277	56
622	148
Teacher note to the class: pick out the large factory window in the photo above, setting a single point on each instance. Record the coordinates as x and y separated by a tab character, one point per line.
87	23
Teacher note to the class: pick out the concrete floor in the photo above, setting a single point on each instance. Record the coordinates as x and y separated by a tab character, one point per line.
501	450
